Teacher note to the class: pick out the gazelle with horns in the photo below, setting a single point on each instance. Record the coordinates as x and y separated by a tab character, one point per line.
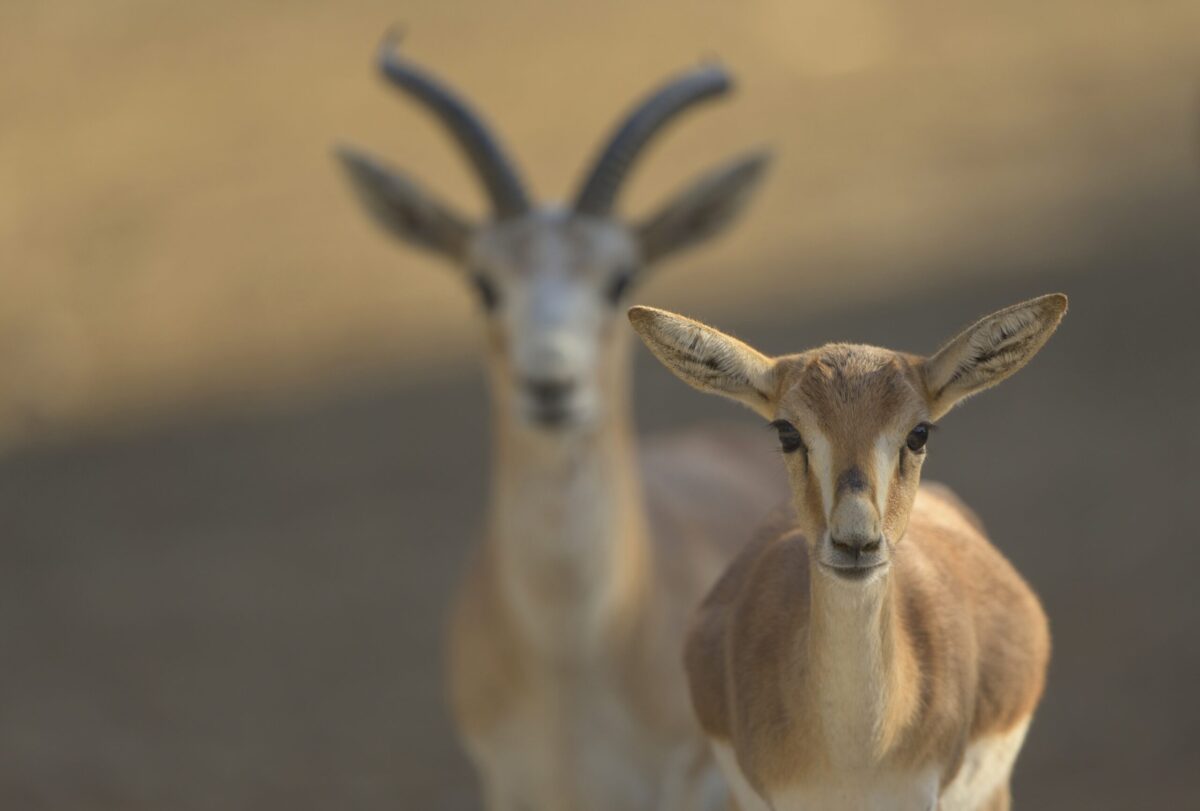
566	679
870	650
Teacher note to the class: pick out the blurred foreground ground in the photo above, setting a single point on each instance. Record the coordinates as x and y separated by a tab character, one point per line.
246	449
245	613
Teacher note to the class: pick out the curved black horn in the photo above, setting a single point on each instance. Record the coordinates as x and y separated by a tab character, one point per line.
499	176
599	191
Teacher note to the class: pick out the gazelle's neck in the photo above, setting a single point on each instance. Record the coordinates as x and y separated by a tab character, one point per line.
567	526
859	664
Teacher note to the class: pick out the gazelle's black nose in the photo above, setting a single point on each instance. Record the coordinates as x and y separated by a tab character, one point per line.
856	545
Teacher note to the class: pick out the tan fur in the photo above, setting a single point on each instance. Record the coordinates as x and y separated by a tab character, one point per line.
592	712
952	675
565	648
865	692
565	644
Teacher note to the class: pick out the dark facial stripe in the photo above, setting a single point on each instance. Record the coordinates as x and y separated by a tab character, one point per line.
718	377
852	480
992	361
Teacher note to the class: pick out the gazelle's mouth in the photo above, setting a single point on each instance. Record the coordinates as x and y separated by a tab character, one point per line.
855	572
555	416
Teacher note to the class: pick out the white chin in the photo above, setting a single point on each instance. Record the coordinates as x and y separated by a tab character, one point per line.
550	418
558	418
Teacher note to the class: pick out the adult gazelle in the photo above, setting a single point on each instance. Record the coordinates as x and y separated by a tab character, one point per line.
565	652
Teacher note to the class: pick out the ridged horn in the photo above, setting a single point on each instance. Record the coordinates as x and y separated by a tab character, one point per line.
482	149
599	191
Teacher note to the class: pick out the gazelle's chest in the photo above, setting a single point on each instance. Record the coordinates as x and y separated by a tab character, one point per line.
846	791
876	792
563	749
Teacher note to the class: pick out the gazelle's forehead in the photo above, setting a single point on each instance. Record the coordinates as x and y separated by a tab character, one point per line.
549	241
851	393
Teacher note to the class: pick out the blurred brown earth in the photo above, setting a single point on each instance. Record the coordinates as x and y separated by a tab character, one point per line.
245	613
247	446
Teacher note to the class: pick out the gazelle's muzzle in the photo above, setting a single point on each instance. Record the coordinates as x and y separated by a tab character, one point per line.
855	522
856	542
553	373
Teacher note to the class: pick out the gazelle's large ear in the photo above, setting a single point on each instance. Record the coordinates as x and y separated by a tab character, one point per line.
707	359
403	207
703	209
990	350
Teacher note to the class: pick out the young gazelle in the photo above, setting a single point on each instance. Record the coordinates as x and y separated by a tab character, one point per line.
871	649
565	672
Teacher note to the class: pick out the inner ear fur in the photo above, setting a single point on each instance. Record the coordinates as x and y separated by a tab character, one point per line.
403	207
990	350
708	359
704	209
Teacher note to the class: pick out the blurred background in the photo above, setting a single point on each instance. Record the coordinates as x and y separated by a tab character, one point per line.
238	424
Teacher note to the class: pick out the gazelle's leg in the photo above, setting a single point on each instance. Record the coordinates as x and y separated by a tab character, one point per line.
497	797
1001	800
502	790
693	782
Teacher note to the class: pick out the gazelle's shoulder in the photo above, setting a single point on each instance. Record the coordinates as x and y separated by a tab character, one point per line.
938	506
769	572
946	548
955	563
942	497
950	538
775	540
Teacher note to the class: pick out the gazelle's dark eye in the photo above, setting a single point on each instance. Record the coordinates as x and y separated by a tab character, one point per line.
618	285
917	438
487	292
789	438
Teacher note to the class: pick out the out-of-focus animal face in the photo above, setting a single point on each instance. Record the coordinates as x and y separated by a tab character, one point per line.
550	285
550	279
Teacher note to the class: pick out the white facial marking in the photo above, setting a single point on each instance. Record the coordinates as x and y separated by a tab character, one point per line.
884	458
552	276
820	463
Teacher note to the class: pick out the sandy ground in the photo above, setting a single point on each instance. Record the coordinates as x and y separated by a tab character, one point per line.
245	612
